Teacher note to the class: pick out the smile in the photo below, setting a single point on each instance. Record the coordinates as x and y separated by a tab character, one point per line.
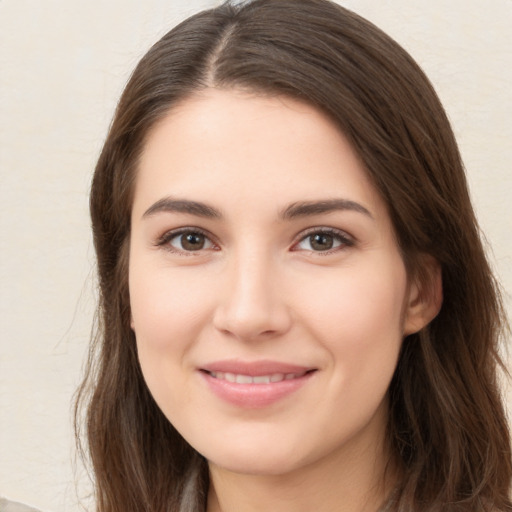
254	385
259	379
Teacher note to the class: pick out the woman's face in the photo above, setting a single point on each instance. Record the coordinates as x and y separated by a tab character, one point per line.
269	299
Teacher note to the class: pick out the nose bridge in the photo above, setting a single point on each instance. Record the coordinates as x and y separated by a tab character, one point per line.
252	304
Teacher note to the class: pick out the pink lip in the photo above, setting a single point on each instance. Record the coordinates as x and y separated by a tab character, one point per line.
254	368
251	395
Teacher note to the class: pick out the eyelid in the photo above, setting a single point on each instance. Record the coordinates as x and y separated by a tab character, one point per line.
163	240
346	239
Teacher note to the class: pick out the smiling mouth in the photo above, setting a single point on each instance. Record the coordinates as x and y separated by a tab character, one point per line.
239	378
254	384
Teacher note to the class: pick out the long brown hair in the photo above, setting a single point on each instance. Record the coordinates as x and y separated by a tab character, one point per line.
446	422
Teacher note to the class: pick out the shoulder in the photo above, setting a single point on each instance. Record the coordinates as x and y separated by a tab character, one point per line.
13	506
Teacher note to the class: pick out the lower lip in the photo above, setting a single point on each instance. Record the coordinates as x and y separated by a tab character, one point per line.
254	396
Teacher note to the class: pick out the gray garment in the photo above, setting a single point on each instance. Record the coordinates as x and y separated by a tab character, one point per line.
13	506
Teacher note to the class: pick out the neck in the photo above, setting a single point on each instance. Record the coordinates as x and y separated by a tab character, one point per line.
359	480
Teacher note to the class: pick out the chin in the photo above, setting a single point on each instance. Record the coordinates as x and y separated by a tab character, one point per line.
263	459
256	466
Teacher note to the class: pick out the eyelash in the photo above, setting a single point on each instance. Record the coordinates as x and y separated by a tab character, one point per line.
343	238
339	236
166	239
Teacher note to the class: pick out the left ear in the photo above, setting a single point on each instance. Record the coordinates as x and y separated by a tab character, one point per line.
425	295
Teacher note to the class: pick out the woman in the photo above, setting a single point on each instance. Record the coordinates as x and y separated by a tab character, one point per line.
296	309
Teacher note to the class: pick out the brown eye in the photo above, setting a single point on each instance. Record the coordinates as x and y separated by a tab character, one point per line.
192	241
321	241
324	240
188	241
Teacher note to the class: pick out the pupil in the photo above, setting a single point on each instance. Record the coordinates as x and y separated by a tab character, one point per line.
321	242
192	241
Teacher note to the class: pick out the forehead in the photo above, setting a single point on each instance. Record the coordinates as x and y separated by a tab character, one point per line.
221	145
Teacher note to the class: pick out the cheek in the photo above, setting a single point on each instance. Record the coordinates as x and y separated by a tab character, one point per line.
166	326
167	317
359	299
167	307
359	325
358	315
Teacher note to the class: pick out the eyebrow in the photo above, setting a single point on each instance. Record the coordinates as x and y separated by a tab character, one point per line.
293	211
168	204
308	208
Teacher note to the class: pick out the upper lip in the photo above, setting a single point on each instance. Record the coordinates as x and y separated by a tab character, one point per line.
254	368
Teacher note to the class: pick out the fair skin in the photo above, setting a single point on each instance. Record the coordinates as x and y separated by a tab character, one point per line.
269	302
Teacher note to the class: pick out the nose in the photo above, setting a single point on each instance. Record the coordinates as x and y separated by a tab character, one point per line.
252	305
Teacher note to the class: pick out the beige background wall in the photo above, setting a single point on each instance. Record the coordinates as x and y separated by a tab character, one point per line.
63	64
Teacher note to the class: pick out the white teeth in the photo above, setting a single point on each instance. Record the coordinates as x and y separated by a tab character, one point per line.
243	379
264	379
260	379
